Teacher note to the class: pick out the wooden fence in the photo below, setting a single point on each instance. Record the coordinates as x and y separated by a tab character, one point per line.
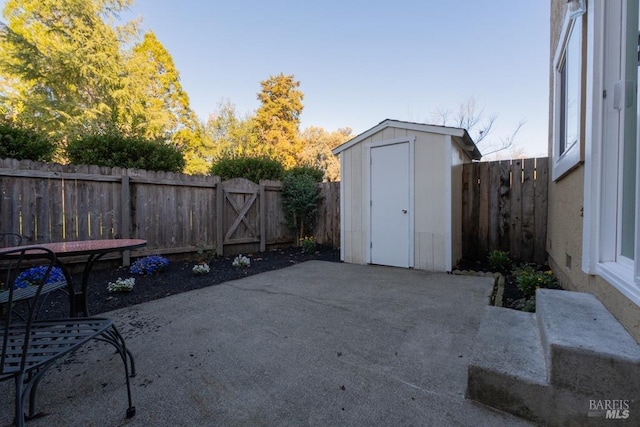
505	207
175	213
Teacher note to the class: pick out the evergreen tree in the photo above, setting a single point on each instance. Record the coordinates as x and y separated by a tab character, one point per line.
60	64
155	105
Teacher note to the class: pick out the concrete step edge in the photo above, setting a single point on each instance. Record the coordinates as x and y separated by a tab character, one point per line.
586	349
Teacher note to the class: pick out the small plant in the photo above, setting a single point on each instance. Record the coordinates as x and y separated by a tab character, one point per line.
526	304
499	260
300	199
122	285
149	265
241	261
202	255
201	269
528	280
34	275
308	244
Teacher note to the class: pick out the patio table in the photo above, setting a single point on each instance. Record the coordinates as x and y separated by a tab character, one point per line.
93	250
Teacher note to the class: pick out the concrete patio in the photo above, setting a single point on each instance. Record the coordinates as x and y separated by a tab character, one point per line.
318	343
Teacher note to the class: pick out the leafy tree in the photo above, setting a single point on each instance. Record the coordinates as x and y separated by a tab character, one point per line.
317	146
198	149
64	70
60	64
278	118
128	152
18	143
232	135
154	104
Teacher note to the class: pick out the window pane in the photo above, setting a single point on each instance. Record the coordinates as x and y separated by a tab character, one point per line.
571	88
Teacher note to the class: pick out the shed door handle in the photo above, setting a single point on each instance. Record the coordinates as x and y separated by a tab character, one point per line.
404	211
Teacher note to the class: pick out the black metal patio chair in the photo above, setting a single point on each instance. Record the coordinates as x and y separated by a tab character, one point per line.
30	346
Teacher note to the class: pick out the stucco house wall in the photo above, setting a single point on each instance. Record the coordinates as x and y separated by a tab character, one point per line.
566	207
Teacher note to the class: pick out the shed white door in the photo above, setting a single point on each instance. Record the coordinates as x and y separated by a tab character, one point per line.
390	197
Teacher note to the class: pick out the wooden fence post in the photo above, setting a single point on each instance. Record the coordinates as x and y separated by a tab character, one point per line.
220	219
125	215
516	209
263	218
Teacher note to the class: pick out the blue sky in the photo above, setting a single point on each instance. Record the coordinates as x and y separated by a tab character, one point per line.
360	62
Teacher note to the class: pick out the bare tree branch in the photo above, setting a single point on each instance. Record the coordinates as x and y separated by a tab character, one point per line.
473	119
486	128
508	141
441	116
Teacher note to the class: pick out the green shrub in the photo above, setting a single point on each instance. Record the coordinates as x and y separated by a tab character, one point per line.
251	168
528	280
117	150
24	144
316	173
308	244
499	260
300	199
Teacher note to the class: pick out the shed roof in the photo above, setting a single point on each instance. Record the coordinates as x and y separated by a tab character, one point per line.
460	136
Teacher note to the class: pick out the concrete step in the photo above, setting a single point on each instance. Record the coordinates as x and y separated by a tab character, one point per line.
587	350
508	369
567	364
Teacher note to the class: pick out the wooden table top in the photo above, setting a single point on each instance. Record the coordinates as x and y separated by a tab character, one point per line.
84	247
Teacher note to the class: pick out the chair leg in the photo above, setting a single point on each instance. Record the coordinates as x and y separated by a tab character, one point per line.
32	386
113	337
19	410
132	364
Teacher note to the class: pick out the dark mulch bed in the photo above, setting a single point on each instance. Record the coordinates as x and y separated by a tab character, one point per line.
178	277
511	292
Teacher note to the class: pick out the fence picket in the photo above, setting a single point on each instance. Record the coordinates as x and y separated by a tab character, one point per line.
505	207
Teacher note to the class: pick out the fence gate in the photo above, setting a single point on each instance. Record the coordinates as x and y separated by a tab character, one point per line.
238	208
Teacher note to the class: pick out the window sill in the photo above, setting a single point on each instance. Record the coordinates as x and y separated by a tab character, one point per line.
566	162
621	278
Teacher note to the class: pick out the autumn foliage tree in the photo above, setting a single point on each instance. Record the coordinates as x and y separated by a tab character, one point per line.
317	144
278	118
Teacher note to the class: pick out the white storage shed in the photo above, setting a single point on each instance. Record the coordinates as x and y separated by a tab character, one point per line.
401	195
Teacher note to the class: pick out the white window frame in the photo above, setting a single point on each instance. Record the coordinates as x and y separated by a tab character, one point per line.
567	159
601	216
